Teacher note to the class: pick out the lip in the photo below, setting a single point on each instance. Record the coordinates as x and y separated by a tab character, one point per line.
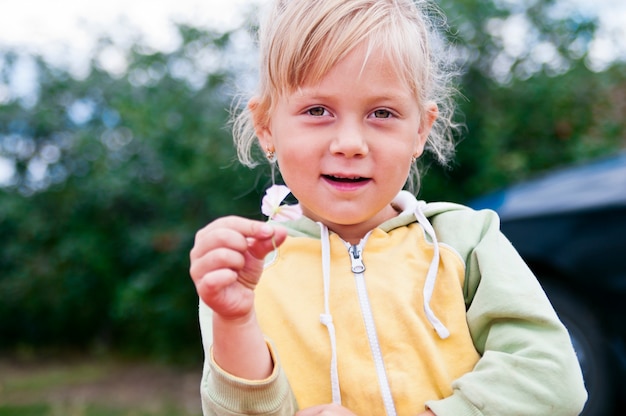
346	182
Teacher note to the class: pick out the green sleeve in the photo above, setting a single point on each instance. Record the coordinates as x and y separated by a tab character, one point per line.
225	394
528	365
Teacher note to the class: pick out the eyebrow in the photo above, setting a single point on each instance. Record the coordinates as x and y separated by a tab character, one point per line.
310	93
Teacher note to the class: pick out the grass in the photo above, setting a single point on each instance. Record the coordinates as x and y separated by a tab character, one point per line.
96	386
82	410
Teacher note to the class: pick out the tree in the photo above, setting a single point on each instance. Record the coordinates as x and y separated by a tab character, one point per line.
114	173
528	103
95	248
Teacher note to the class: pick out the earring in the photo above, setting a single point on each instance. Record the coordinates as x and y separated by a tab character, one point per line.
270	154
413	159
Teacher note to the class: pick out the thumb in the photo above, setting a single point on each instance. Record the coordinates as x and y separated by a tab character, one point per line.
268	238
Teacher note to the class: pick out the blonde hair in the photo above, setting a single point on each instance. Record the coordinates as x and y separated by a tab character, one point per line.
302	40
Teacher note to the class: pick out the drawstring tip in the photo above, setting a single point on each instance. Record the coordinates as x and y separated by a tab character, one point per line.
442	331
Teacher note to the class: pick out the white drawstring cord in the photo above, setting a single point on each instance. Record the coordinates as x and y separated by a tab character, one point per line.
431	276
326	318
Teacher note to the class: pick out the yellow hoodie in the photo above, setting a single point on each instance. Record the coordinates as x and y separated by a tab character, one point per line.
444	315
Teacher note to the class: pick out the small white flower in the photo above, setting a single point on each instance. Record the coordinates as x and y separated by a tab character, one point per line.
272	208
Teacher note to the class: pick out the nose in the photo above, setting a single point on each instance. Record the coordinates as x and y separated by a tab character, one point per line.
349	140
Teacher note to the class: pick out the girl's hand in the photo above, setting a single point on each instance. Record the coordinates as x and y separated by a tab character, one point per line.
337	410
331	409
227	262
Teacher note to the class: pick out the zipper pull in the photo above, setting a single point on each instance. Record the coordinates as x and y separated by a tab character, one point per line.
355	258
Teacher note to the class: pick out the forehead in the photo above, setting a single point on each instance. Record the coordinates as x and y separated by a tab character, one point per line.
361	64
361	78
363	61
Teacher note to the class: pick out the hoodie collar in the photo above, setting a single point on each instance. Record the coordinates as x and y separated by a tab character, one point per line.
404	202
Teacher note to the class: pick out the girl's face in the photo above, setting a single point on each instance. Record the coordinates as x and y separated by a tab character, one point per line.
344	145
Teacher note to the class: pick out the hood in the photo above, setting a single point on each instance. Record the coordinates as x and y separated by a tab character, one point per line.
404	202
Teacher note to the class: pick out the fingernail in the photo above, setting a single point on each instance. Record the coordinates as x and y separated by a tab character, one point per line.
266	229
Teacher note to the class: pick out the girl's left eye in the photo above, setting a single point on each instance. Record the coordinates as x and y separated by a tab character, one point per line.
316	111
382	113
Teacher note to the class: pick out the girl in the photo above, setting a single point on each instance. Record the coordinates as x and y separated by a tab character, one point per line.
372	302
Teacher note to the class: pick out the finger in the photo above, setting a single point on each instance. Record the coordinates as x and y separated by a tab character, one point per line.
233	232
247	227
311	411
220	258
260	248
216	291
325	409
215	239
213	283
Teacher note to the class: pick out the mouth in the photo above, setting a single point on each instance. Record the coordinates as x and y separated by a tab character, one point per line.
345	179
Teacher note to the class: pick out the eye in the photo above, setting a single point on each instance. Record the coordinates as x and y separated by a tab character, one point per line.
382	113
317	111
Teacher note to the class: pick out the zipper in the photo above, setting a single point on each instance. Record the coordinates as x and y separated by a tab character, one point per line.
356	259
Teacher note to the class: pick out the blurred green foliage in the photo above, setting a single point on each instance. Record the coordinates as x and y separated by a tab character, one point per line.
95	252
115	172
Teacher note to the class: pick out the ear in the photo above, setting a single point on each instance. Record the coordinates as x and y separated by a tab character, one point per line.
260	120
428	119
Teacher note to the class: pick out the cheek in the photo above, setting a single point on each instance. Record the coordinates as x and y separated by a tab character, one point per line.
402	173
294	163
398	166
289	155
295	148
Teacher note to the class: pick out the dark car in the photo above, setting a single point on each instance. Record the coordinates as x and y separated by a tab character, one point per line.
570	227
